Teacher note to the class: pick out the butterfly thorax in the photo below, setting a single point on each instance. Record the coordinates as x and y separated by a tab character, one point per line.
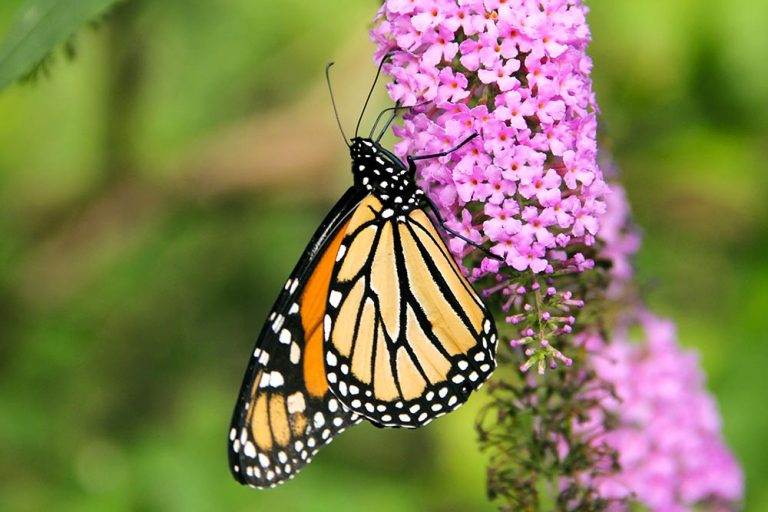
384	175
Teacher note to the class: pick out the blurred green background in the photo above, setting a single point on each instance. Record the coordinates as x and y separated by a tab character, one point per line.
156	191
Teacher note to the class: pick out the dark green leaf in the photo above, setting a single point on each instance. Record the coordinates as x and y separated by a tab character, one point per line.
40	26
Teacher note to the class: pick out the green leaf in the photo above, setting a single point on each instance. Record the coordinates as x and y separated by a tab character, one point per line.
40	26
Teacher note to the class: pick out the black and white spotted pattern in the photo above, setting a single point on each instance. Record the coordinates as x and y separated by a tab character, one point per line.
382	174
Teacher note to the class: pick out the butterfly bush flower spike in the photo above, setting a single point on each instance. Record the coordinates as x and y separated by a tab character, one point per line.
630	420
515	72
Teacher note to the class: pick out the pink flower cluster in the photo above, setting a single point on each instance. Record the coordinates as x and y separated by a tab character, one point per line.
665	427
516	72
671	453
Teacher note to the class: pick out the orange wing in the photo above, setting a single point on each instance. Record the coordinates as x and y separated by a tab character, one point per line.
285	411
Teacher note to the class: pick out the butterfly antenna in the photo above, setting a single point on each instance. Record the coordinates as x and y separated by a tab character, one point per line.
370	93
333	102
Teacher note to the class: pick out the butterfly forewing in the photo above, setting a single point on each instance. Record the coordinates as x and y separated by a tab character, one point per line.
285	411
376	321
407	339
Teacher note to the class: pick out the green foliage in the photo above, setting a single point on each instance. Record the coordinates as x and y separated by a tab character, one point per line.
130	296
537	461
41	26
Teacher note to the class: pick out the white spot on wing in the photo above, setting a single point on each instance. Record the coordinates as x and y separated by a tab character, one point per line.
341	253
285	336
295	353
334	298
276	379
327	327
296	403
278	323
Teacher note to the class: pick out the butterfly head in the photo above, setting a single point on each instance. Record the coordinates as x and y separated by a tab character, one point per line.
361	148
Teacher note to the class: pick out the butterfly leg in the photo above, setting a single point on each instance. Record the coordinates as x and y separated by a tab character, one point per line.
443	225
412	159
412	164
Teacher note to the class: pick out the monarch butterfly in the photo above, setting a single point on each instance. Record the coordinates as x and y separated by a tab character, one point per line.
375	322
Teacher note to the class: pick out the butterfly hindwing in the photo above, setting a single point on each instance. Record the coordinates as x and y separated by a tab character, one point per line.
407	339
285	411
